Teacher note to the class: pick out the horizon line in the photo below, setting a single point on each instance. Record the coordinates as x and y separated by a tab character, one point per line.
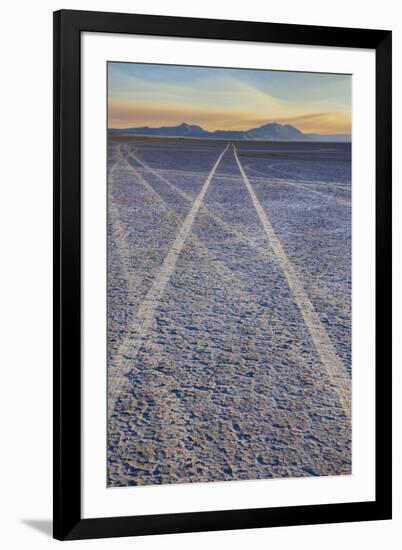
231	130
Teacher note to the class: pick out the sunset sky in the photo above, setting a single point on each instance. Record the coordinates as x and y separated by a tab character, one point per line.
227	99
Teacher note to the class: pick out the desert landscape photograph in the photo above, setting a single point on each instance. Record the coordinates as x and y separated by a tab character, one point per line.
228	274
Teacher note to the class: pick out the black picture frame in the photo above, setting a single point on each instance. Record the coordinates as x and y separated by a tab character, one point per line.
68	26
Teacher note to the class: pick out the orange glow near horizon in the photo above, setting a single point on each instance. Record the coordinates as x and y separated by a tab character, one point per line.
223	99
126	116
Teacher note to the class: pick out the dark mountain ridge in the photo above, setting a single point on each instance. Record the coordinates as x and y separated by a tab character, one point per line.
271	131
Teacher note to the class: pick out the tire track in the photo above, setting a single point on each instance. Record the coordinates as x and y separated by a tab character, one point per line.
328	197
121	241
299	180
306	187
222	270
146	312
206	210
326	351
262	178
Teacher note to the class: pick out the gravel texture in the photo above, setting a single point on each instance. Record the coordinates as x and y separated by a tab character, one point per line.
212	370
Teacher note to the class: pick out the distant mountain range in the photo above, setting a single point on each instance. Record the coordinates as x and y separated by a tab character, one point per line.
267	132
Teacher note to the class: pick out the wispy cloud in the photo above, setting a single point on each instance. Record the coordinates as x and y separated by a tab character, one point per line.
337	122
123	115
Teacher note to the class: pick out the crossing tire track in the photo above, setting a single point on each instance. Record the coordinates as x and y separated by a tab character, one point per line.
146	311
223	269
206	210
305	186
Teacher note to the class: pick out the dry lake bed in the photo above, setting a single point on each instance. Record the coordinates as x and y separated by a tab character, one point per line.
229	310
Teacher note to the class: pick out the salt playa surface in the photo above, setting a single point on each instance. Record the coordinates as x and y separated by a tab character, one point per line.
229	310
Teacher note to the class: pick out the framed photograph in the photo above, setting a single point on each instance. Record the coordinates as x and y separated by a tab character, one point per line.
222	275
